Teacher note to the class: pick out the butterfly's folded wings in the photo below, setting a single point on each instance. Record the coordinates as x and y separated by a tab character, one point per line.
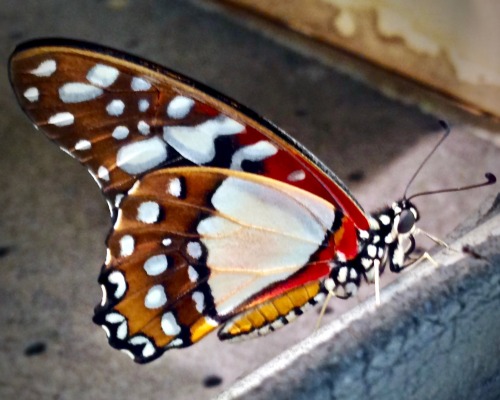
194	247
219	216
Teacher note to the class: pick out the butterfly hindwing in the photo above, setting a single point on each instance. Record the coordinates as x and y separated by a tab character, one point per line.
122	117
193	247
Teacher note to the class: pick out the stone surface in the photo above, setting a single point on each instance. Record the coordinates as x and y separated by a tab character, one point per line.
53	221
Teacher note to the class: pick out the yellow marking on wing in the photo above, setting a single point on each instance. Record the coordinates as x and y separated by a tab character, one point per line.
200	329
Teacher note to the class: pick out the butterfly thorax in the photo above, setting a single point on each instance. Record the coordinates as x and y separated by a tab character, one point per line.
389	241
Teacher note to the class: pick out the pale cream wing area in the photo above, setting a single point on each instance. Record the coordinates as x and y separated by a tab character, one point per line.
262	233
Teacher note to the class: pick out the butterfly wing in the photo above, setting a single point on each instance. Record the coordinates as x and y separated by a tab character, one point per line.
122	117
194	247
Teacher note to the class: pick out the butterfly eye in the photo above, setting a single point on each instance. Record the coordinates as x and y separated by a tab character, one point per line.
406	222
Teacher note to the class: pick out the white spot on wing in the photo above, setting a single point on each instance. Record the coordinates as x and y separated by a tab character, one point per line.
199	301
155	298
143	105
254	152
139	84
174	187
179	107
31	94
169	325
193	274
148	350
114	318
83	145
156	265
166	242
117	278
122	331
296	176
103	173
115	108
76	92
102	75
196	143
148	212
127	245
143	128
120	132
194	250
62	119
45	68
175	343
139	157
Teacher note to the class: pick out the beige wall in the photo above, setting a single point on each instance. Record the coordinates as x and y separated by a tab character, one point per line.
450	45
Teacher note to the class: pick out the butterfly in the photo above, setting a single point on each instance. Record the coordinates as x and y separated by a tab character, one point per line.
220	220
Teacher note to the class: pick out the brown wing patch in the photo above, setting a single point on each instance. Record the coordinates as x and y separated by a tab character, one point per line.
155	278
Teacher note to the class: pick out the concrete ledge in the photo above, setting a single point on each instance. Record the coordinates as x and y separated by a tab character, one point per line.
435	336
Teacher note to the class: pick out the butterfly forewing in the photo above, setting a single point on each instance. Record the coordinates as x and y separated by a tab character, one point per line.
123	117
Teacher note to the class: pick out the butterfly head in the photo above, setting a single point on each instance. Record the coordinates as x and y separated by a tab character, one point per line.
396	226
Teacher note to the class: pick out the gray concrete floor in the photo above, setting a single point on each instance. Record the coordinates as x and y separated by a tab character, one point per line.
53	221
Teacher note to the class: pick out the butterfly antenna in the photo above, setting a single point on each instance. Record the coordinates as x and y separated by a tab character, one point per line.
490	180
447	131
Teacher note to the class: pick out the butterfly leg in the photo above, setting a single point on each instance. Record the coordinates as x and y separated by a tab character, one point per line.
343	283
433	238
329	286
423	257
